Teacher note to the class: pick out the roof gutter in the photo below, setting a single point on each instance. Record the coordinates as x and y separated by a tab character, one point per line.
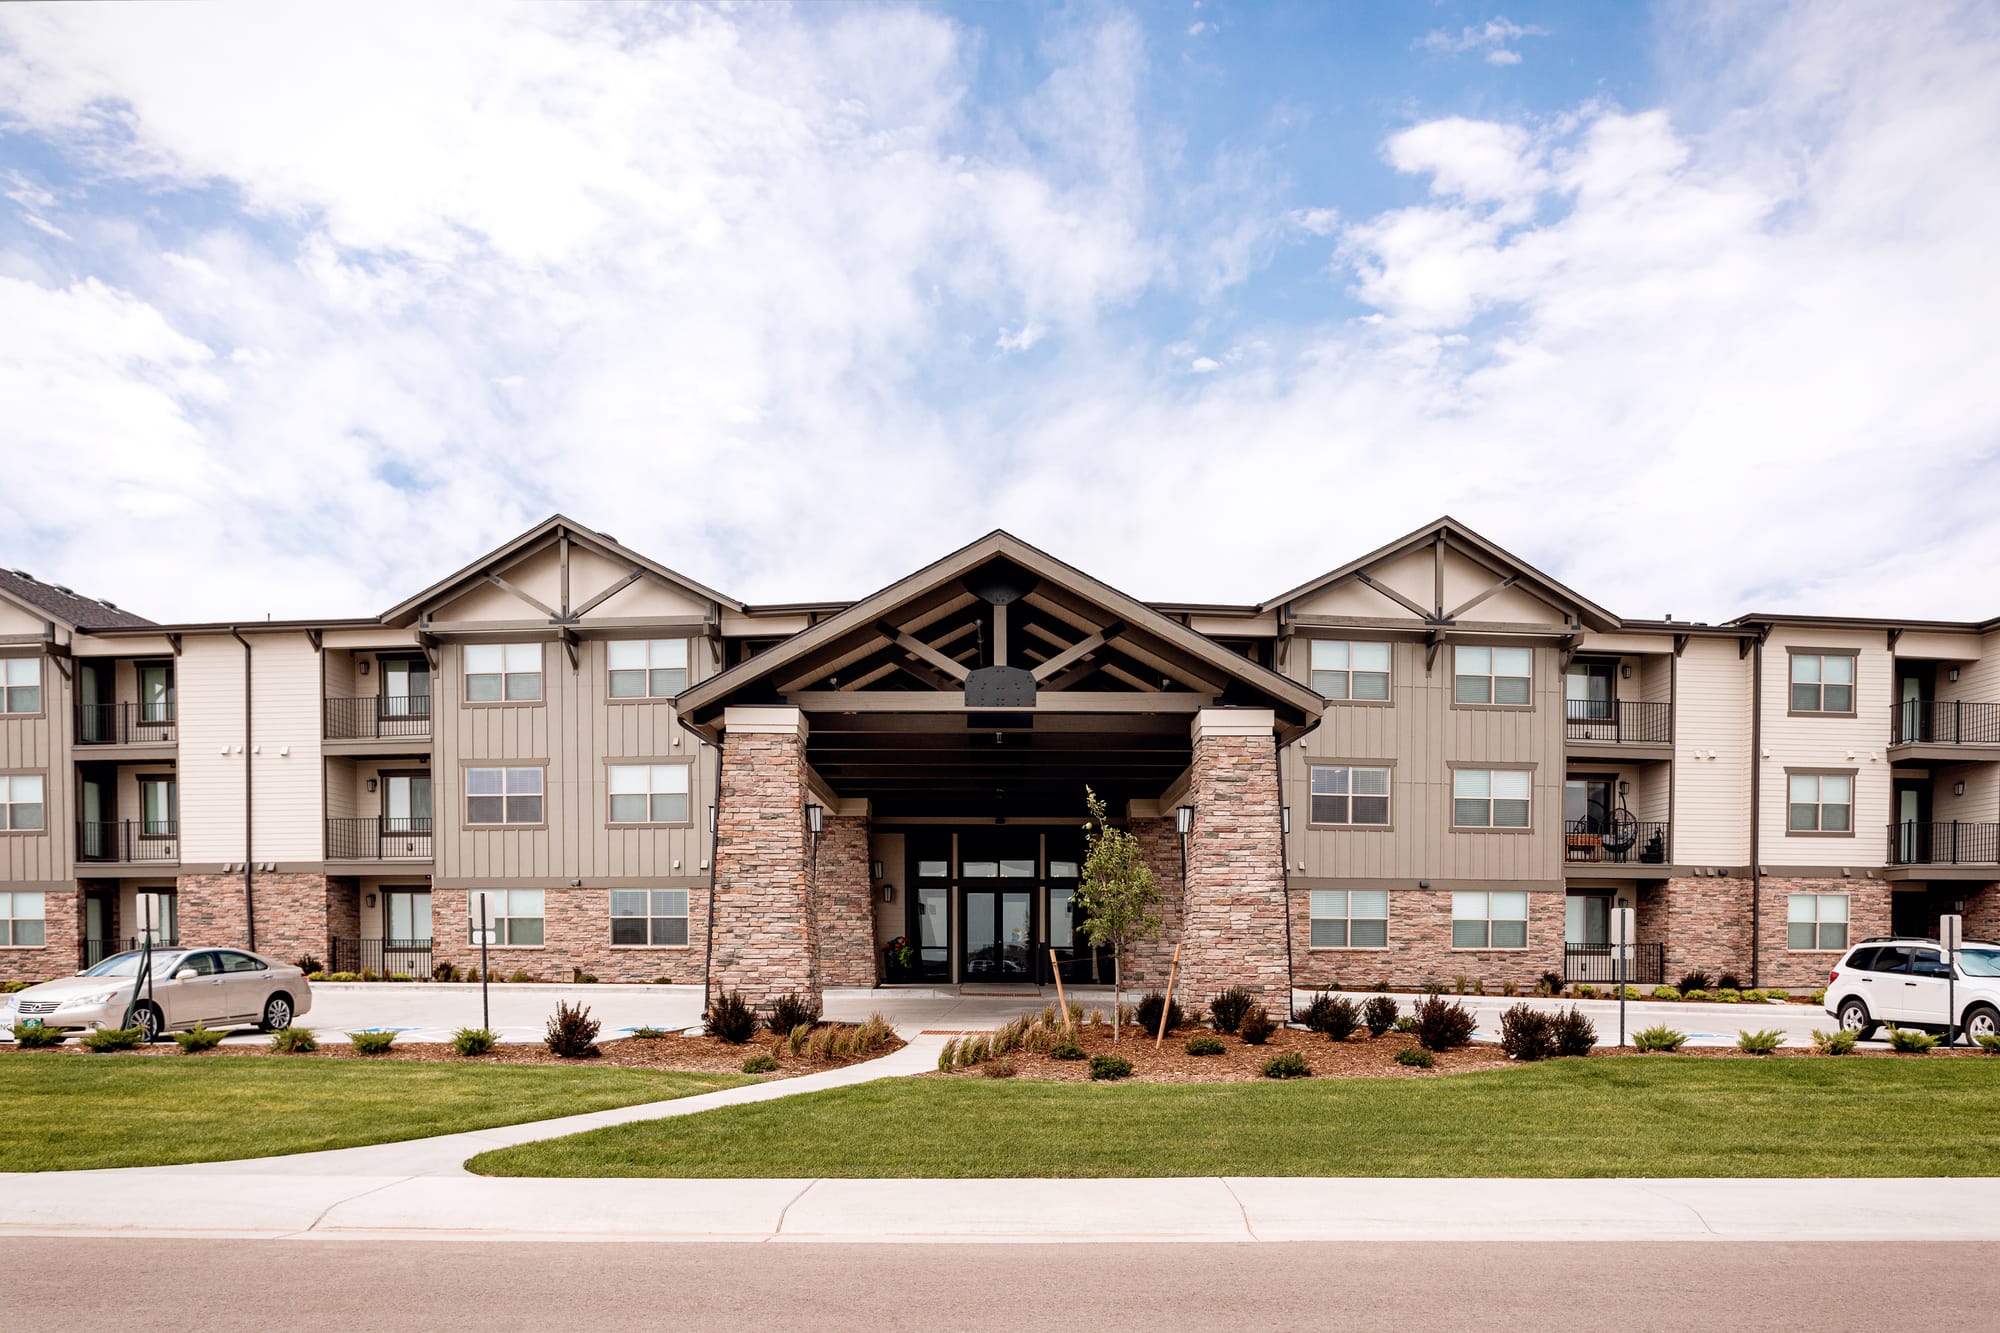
249	799
1756	804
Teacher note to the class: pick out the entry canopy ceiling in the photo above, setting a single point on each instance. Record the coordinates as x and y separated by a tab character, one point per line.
999	681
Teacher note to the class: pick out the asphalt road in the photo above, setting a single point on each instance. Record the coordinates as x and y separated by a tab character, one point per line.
77	1283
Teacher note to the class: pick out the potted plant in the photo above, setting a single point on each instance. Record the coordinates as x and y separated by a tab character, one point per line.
899	959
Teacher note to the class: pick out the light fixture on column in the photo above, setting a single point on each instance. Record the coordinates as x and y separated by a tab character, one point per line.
1285	820
875	872
1183	819
815	819
712	816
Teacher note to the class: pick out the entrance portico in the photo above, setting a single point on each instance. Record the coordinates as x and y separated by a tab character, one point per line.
940	736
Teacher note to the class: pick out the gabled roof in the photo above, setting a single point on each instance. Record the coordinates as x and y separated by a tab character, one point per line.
66	607
1457	535
548	530
1290	696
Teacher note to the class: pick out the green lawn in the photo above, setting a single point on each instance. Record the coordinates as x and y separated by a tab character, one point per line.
1602	1117
70	1112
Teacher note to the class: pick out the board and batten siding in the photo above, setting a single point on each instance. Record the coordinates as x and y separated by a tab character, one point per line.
39	743
1423	736
1857	743
1712	718
574	732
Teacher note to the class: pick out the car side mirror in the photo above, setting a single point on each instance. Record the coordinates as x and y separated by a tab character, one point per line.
184	973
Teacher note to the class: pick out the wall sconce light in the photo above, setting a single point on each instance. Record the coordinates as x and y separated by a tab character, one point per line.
1958	789
815	819
576	884
1625	670
1183	819
888	893
875	872
362	666
371	784
713	819
371	900
1285	820
1423	884
1624	789
1953	673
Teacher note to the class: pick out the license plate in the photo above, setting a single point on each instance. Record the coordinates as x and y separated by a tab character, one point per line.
31	1022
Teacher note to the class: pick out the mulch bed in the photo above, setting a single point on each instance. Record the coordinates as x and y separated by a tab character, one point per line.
701	1055
1361	1056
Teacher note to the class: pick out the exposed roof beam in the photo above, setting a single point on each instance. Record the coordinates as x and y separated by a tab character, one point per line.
953	701
917	648
535	602
1501	586
603	595
1393	595
1076	651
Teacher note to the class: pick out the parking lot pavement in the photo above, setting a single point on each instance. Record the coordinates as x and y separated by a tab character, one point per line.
428	1011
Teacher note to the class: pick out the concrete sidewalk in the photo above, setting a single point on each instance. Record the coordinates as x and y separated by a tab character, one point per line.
167	1204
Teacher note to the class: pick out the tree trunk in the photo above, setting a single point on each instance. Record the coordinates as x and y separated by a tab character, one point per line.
1117	986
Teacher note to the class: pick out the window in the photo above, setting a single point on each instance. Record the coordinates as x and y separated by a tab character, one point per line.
1493	675
1350	795
1350	919
21	801
157	814
1342	670
502	671
1822	803
1062	870
156	692
513	916
162	908
503	795
20	685
1490	797
1823	683
648	668
406	915
241	962
406	804
1587	691
21	920
649	916
406	686
1489	920
933	869
649	793
1815	921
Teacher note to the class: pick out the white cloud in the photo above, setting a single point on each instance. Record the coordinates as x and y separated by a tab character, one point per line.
1503	56
1021	339
1491	36
1201	365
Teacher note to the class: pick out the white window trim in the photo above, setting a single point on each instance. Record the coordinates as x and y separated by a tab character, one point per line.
1492	676
1818	923
686	792
1526	920
686	918
1387	796
1350	919
504	796
684	666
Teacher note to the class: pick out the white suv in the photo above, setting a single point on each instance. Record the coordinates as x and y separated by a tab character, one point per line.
1905	983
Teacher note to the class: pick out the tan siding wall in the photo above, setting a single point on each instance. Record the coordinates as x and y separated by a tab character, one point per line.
1712	796
1981	802
1424	735
41	743
1978	677
285	680
210	721
342	681
14	620
1858	743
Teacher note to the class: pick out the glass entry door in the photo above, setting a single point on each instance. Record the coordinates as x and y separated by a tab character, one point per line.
999	935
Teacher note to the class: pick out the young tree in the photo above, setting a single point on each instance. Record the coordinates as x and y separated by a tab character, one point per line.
1116	895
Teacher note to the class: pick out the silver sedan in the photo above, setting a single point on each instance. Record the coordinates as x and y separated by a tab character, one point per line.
212	987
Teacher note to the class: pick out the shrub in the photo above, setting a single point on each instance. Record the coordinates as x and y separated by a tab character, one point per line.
9	987
765	1064
1819	996
34	1038
1379	1014
472	1041
1416	1057
1728	981
1458	984
1405	1023
1694	981
572	1032
1632	992
445	972
1066	1049
1777	994
1149	1012
1289	1065
1105	1068
789	1011
1988	1042
1442	1025
1665	993
998	1069
369	974
648	1034
1659	1037
874	1034
1572	1032
1753	997
294	1041
102	1041
1204	1045
1552	983
197	1039
1728	995
372	1043
1700	995
1256	1027
1837	1042
1228	1008
1758	1043
1328	1014
1525	1033
1586	992
1910	1041
401	976
730	1019
518	978
308	964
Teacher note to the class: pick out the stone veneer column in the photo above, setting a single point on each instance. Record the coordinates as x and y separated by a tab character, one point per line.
764	937
1148	962
844	906
1233	923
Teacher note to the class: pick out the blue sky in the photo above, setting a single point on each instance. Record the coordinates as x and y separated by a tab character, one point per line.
300	308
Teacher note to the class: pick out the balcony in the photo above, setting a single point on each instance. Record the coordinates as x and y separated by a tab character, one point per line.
378	838
128	842
1618	722
379	718
1944	722
1617	842
125	724
1957	843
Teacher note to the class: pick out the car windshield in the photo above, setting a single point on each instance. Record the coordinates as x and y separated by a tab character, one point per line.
1979	962
127	965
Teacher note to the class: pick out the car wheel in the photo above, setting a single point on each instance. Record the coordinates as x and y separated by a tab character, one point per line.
1854	1018
1982	1020
147	1019
277	1013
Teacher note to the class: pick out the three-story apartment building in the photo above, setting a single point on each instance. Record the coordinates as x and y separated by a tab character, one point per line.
1434	761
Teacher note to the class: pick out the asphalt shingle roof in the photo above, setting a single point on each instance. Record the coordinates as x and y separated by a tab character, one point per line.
64	604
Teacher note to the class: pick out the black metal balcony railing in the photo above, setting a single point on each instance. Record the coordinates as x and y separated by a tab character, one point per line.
125	724
1620	720
96	951
129	841
385	958
383	838
1944	722
378	718
1617	842
1956	843
1594	965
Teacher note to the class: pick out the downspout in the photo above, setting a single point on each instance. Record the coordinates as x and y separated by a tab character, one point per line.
1285	877
1756	803
714	861
249	799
